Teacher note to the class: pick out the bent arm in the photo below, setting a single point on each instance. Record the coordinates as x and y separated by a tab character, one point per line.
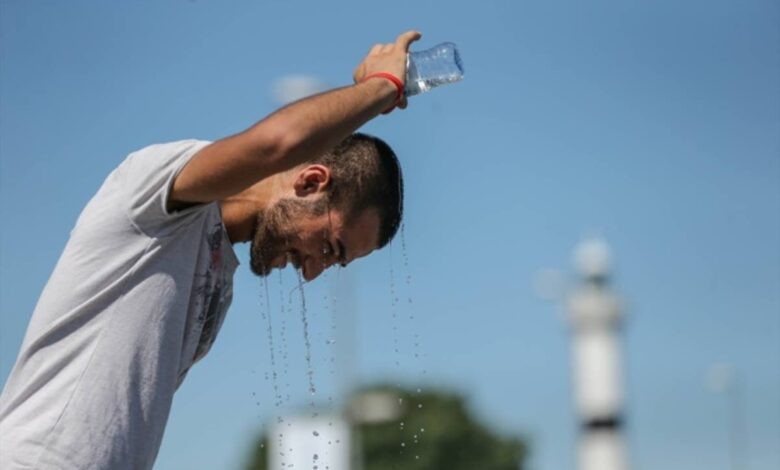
293	134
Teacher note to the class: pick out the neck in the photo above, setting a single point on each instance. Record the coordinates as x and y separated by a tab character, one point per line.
239	212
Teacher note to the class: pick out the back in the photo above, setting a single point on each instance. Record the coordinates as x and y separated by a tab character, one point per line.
137	297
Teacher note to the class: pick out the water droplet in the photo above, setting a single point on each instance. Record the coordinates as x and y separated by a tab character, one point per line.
316	456
306	340
419	405
315	433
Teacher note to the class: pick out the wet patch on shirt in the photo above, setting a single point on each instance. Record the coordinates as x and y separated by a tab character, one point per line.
215	290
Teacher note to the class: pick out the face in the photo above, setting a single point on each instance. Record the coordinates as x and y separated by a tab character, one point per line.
311	236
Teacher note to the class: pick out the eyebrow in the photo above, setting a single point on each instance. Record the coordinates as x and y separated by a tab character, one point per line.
342	253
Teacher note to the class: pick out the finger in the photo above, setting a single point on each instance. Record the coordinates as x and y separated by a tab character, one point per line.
407	38
375	50
387	48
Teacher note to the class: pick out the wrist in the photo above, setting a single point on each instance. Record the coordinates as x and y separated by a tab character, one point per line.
390	86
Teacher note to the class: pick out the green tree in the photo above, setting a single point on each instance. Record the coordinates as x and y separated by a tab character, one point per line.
434	431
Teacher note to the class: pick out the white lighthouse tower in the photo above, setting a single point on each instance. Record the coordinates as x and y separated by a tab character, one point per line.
595	317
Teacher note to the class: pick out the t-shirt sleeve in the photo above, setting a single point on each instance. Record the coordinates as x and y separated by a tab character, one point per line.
147	178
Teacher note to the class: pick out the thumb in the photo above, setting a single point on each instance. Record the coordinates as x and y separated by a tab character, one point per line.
405	39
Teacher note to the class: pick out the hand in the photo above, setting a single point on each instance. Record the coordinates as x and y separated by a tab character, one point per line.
390	58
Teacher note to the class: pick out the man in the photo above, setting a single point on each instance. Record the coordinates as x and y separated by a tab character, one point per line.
142	287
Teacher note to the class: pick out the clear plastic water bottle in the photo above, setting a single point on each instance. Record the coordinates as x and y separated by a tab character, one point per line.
430	68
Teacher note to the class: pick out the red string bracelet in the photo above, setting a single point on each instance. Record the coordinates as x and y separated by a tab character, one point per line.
399	86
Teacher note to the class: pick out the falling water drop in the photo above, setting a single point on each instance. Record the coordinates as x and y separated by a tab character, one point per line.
307	341
283	331
269	330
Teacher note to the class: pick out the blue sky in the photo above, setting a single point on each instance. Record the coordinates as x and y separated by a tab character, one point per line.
653	124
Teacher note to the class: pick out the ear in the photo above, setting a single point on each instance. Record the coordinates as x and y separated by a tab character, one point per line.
311	179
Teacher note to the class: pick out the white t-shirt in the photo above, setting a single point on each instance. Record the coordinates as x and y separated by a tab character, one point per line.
136	298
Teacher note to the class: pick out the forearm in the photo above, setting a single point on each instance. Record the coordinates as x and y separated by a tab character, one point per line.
286	138
295	133
316	124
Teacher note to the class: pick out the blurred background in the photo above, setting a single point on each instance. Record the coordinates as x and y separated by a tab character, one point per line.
650	129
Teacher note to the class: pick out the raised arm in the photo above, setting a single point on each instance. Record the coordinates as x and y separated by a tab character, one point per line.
295	133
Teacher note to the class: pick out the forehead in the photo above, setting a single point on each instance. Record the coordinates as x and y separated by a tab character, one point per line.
359	234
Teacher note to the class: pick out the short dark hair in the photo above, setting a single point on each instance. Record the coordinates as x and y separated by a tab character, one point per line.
366	174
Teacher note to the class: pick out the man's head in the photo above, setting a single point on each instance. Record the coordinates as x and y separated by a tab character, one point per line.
343	205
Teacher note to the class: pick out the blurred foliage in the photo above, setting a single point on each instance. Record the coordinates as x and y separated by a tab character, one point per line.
435	431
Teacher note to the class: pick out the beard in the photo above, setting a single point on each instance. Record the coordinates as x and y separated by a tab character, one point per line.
275	231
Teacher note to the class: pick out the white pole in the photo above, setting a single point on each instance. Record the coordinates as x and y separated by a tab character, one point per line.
595	316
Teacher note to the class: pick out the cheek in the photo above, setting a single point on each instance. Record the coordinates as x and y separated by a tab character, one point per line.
268	242
310	246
